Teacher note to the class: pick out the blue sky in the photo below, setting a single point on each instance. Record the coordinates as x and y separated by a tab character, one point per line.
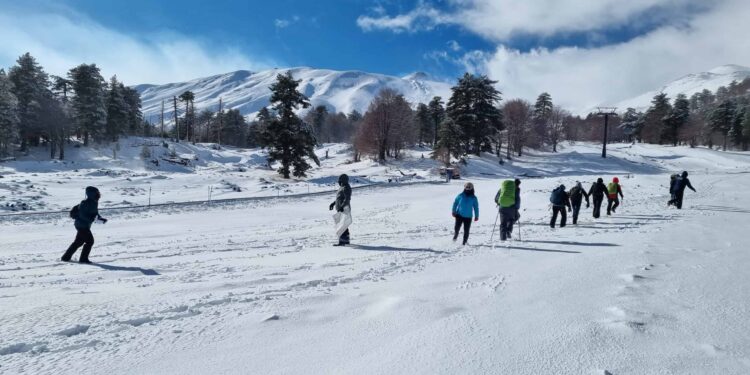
584	52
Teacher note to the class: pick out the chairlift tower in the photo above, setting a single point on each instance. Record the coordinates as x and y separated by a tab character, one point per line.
605	112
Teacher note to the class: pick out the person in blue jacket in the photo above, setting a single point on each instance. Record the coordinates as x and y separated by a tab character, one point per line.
465	207
86	214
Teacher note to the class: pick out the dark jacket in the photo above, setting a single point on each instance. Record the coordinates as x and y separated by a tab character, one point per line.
564	196
344	195
598	190
577	193
680	184
88	209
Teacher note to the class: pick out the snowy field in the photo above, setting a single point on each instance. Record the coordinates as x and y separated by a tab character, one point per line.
255	287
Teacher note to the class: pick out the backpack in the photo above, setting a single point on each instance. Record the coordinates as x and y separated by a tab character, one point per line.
679	184
507	194
74	212
557	197
612	188
575	192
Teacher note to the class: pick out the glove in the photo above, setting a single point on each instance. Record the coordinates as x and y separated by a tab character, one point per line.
587	205
453	214
330	208
569	209
103	220
476	219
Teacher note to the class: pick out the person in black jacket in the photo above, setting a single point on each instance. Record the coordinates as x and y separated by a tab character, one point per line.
678	189
597	192
342	204
577	193
88	212
559	200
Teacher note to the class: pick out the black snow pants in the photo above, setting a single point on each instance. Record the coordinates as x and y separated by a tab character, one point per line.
678	199
466	222
83	237
576	210
563	216
508	217
612	205
597	207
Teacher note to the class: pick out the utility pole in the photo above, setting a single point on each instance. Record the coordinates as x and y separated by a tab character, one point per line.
221	122
162	118
176	124
605	112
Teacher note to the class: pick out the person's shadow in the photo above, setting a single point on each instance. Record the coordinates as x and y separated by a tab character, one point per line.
391	248
109	267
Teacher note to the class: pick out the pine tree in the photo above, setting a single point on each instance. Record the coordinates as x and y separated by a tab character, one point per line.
188	98
632	121
89	102
654	120
449	142
8	114
117	110
437	114
29	85
541	119
290	142
678	116
746	128
736	131
721	119
423	123
473	107
235	128
134	109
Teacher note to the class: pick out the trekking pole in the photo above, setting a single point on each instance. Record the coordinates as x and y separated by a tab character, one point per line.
519	230
494	226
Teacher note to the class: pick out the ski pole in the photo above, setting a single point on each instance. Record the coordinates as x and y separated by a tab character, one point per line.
519	230
494	226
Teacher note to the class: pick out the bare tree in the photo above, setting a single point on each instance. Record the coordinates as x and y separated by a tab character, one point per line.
557	126
518	117
387	127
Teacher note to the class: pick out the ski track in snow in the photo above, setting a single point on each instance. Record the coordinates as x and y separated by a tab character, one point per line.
606	296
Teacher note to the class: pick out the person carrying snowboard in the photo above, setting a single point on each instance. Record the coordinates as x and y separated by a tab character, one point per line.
576	194
342	204
559	199
678	189
597	193
465	206
84	214
508	198
613	190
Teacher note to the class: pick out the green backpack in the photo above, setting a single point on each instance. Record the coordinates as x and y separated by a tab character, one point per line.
507	194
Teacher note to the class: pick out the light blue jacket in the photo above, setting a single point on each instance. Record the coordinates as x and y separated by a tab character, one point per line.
465	205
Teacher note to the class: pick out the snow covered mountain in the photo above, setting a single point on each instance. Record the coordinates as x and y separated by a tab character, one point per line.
340	91
690	84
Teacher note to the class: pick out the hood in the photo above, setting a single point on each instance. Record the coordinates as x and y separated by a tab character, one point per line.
343	180
92	193
684	174
600	180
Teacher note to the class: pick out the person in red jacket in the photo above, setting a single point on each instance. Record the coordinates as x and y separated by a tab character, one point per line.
613	190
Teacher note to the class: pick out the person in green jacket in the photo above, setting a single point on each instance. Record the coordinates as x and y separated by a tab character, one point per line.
508	199
87	213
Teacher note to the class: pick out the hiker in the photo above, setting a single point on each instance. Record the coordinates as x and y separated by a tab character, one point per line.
576	194
559	199
508	198
448	174
597	192
677	189
84	214
342	204
613	190
465	206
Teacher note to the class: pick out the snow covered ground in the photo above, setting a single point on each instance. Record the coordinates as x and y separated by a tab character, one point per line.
256	287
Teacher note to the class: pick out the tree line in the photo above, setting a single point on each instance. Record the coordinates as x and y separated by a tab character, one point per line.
41	109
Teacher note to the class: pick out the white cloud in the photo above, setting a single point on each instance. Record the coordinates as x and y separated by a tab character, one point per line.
454	46
62	40
692	36
499	20
282	23
580	78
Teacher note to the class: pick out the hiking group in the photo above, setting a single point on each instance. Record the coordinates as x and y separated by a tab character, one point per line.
562	202
465	208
